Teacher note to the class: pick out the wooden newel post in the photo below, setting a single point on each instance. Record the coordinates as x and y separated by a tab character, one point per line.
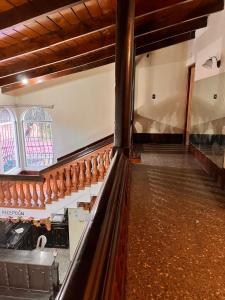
124	73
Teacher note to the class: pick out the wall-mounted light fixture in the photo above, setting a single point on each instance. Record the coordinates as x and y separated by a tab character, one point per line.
208	64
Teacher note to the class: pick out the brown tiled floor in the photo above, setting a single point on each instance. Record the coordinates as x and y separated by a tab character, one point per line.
176	242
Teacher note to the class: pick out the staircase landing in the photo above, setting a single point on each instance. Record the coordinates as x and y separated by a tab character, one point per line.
176	234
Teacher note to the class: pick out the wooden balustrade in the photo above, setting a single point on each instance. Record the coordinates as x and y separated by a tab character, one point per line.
35	192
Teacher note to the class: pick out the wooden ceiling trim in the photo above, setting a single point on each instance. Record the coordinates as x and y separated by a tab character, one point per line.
91	43
30	10
74	62
152	21
97	63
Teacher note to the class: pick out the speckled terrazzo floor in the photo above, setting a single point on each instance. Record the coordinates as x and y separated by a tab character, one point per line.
176	232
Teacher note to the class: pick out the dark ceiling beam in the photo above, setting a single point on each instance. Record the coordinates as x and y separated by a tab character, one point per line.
158	17
178	14
149	6
87	59
166	43
30	10
171	31
105	41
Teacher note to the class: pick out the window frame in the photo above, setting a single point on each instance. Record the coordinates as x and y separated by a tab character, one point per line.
22	123
14	122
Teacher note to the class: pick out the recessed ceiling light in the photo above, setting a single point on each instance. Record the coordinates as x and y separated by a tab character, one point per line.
24	81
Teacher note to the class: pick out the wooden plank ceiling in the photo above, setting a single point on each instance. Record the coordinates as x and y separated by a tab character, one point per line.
44	39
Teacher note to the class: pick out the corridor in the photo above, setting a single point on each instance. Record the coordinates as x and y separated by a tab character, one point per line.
176	233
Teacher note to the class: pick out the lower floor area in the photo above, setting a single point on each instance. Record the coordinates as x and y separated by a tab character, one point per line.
176	229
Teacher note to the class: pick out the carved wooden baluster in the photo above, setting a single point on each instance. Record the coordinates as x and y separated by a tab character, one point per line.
62	186
88	172
2	196
75	178
101	167
110	154
55	187
107	159
35	195
81	175
8	195
94	170
15	195
68	181
42	196
28	195
21	195
48	189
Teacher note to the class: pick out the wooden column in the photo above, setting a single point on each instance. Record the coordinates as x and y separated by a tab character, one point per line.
191	83
124	73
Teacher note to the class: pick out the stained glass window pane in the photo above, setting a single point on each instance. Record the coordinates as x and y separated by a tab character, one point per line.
37	126
8	142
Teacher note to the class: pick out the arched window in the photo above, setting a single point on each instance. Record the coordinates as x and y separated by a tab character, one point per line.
38	142
8	141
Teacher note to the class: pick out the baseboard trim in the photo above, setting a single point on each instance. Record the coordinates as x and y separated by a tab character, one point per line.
207	139
158	138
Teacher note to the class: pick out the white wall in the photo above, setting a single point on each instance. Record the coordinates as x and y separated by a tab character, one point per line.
205	108
209	41
164	74
6	99
83	107
208	113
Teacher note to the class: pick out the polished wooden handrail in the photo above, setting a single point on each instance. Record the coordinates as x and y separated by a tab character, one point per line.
93	146
92	272
19	177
